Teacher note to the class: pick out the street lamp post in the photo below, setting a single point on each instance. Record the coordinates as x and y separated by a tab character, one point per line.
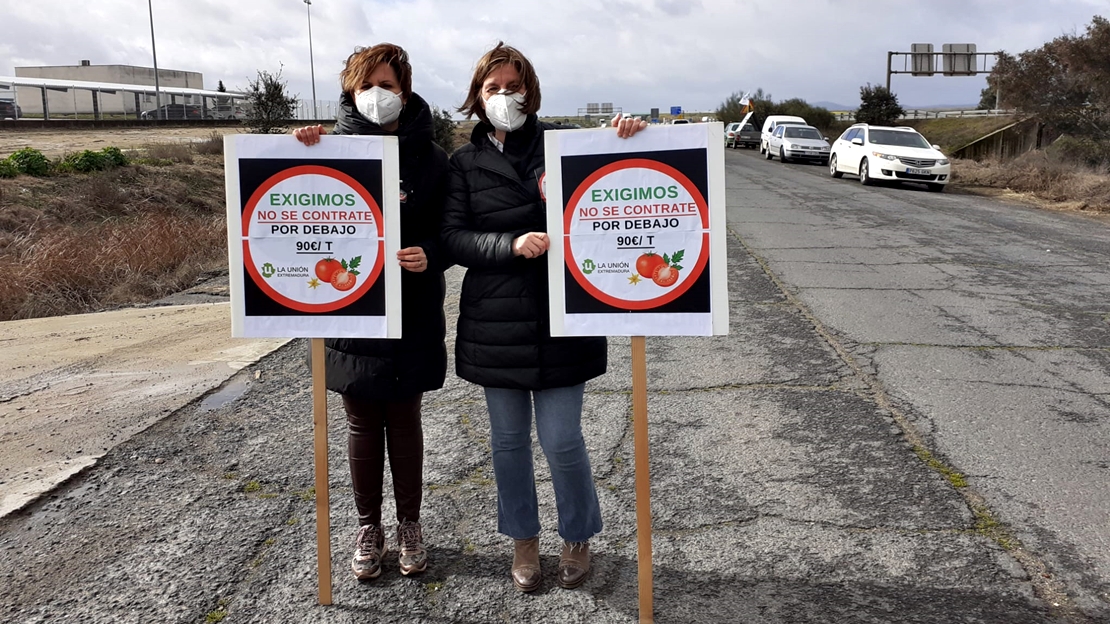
311	65
157	87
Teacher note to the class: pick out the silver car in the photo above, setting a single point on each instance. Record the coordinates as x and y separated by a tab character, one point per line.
790	142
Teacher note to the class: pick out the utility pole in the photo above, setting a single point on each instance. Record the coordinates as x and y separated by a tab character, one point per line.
311	65
154	51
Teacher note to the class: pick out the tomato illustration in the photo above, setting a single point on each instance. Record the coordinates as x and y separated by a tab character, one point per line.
344	279
342	274
647	263
666	273
326	268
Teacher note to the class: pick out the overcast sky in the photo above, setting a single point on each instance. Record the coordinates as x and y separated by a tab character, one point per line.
636	54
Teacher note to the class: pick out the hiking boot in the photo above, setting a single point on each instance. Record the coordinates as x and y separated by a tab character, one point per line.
369	545
574	564
526	564
414	557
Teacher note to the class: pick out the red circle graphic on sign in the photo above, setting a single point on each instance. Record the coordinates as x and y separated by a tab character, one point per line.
672	293
260	281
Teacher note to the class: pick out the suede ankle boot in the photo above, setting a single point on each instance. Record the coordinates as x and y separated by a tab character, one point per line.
574	564
526	564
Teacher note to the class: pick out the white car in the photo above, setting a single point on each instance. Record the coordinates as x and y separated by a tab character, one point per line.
884	153
774	121
790	142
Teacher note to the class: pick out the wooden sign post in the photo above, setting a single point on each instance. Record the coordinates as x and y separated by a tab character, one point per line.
320	444
309	230
643	476
638	249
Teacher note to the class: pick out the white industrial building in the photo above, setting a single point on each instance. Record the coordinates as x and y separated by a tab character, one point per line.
107	101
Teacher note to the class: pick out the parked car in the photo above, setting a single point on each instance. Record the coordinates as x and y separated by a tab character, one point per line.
790	142
10	110
774	121
885	153
176	111
228	111
736	136
675	122
730	133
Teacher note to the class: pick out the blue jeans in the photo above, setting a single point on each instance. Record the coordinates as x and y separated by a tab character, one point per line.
559	428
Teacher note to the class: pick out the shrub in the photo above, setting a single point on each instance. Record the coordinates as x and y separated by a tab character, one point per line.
115	156
271	107
30	161
817	116
1082	150
443	129
763	105
8	169
85	162
878	106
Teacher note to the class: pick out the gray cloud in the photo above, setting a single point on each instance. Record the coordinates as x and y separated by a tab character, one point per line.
636	54
678	8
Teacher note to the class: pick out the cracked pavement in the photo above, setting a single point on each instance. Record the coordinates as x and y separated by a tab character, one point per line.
809	467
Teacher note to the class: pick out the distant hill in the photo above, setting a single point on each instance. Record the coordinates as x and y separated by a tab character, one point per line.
833	106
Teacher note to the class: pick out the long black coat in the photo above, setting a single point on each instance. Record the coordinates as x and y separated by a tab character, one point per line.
379	369
504	338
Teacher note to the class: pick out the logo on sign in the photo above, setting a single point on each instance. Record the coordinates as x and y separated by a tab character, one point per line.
588	266
267	270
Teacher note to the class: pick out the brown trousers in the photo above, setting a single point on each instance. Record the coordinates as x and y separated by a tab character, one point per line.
371	426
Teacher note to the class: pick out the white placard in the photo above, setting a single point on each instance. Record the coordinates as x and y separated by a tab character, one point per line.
637	232
311	231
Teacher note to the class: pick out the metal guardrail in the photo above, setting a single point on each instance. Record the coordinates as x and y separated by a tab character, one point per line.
935	114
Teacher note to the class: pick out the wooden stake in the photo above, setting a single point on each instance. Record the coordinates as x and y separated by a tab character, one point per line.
643	476
320	437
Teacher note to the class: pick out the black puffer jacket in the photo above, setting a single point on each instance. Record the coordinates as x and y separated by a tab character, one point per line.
375	369
504	339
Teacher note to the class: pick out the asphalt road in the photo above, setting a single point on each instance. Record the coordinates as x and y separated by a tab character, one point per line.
987	325
806	468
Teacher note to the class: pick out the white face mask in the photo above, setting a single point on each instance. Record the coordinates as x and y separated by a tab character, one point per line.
379	105
504	111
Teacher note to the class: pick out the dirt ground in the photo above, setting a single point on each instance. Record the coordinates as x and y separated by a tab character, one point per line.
72	387
55	143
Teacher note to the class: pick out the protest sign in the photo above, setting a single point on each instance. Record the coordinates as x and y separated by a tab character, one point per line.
313	233
637	231
309	232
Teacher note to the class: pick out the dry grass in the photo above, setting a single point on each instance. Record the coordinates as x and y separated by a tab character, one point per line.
80	243
212	145
1042	177
172	152
952	133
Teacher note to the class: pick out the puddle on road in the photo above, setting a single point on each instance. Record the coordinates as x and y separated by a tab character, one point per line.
233	390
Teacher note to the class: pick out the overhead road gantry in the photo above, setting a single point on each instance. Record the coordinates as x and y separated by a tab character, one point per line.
96	89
